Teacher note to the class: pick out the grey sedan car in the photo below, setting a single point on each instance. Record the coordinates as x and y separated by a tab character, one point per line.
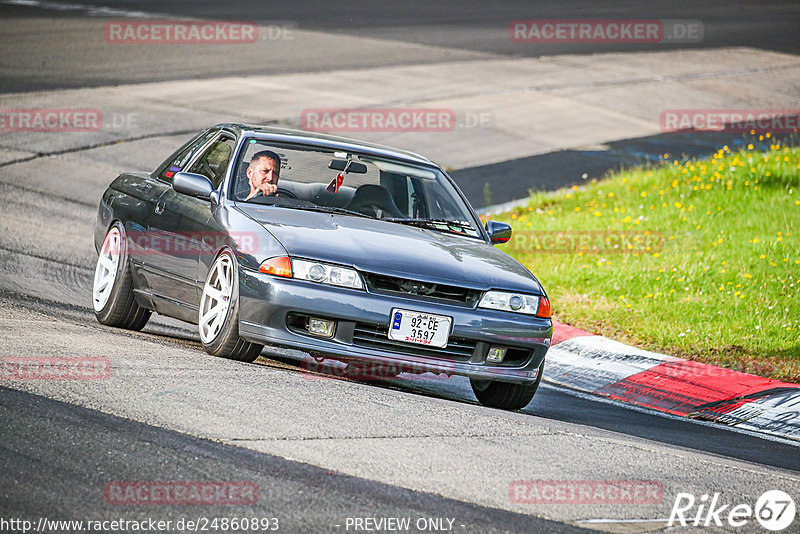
345	250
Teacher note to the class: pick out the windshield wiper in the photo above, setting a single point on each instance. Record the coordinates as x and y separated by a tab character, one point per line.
434	224
324	209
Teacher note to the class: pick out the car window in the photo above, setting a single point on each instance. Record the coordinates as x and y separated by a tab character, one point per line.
178	162
214	162
316	178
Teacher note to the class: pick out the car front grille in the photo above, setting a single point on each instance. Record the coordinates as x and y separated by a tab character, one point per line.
381	284
377	337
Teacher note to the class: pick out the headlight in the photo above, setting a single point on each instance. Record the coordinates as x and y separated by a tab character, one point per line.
325	273
516	302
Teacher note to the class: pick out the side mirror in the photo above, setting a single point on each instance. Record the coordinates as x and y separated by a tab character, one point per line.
498	232
192	184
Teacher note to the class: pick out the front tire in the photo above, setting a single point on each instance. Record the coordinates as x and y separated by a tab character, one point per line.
504	395
219	313
112	290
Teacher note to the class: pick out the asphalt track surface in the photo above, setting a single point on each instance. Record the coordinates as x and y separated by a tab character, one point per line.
60	45
56	457
39	447
46	55
58	447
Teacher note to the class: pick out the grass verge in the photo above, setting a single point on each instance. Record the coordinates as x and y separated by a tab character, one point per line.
698	259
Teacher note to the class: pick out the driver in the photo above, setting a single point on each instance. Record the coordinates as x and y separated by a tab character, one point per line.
263	173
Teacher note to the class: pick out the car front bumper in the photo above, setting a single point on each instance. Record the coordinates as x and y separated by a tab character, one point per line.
270	307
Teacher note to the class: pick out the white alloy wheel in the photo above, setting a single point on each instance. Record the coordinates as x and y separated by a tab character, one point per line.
106	271
216	299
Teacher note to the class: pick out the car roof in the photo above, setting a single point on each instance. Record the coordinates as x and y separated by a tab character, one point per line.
324	140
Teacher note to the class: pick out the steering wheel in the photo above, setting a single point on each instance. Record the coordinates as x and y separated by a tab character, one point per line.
286	193
206	170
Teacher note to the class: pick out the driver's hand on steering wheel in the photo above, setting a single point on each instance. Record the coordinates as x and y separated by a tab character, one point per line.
265	189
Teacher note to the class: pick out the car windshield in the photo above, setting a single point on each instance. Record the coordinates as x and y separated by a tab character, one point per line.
349	183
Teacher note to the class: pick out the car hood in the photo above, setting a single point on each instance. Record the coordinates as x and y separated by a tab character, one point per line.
394	249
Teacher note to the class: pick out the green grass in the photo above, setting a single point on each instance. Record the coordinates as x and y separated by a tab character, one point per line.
710	261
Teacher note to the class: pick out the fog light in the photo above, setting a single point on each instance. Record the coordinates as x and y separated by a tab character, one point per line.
496	354
320	327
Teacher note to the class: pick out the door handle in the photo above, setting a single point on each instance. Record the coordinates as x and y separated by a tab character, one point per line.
160	208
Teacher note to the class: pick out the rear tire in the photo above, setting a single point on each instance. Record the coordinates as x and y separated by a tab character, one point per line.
504	395
218	320
112	290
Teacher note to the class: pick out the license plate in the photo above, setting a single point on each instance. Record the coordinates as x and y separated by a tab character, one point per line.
420	328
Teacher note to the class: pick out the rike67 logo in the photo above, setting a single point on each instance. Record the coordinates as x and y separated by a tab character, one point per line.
774	510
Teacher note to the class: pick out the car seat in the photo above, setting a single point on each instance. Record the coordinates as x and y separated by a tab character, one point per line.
374	200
